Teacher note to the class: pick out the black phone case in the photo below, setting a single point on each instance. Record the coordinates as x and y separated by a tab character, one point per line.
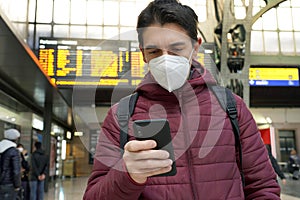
158	130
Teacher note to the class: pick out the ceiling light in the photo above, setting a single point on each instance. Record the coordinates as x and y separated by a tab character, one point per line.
269	120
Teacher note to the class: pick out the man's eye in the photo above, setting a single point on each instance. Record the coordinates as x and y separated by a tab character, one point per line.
177	49
153	51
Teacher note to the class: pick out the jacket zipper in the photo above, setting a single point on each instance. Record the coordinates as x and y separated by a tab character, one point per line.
187	142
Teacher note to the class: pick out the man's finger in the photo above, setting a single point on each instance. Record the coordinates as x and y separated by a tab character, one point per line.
149	154
136	145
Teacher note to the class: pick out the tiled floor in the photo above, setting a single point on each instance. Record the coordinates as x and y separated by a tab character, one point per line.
292	188
66	189
73	189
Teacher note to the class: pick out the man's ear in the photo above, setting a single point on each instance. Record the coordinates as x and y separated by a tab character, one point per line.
196	47
142	50
199	41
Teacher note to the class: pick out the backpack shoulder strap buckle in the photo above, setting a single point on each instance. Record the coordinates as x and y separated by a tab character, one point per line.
232	112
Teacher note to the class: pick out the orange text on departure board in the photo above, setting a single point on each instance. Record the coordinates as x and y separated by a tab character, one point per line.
46	59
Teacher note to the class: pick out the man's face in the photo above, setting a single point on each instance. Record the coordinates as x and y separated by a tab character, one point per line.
167	39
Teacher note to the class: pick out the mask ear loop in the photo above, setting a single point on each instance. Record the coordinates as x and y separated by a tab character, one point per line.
191	55
190	63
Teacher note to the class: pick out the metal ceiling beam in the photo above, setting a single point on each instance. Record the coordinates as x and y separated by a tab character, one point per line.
270	4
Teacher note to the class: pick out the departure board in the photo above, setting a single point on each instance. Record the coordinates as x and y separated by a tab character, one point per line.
92	62
274	76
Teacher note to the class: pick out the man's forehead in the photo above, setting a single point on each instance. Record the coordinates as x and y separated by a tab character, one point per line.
164	37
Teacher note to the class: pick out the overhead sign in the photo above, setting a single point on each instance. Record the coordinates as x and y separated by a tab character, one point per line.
274	76
82	62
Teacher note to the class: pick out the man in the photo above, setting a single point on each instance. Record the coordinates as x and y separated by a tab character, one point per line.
38	171
10	180
294	164
275	164
25	170
176	88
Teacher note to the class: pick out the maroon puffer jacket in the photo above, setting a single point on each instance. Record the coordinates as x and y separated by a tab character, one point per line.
204	147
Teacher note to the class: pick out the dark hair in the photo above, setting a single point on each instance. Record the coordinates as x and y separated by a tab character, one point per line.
168	11
38	145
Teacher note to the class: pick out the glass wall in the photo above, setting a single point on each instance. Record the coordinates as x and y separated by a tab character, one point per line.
81	19
287	143
278	30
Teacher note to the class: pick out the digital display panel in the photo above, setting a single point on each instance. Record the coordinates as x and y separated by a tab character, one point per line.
274	76
92	62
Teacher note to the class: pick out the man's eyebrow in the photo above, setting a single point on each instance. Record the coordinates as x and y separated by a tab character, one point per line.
151	46
177	44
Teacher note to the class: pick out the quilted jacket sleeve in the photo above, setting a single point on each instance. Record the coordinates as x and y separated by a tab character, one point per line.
260	178
15	161
109	179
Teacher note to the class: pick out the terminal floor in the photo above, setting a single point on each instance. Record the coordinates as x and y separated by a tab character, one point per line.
73	189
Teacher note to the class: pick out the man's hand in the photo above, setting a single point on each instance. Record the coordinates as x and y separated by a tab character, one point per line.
24	152
142	160
41	177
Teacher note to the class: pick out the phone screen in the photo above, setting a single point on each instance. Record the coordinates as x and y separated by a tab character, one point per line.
158	130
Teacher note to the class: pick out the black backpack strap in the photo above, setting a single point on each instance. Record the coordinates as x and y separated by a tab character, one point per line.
1	167
228	104
124	111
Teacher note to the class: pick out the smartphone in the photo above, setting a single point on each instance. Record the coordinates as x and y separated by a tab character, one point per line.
158	130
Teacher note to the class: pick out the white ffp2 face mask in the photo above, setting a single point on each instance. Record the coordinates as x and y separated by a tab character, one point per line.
170	71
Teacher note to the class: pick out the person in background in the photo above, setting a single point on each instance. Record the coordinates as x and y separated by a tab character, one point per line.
294	164
10	179
25	171
176	89
275	165
38	170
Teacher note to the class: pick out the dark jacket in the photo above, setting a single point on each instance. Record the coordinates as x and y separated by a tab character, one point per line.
274	163
293	163
276	167
11	164
204	146
39	164
25	168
